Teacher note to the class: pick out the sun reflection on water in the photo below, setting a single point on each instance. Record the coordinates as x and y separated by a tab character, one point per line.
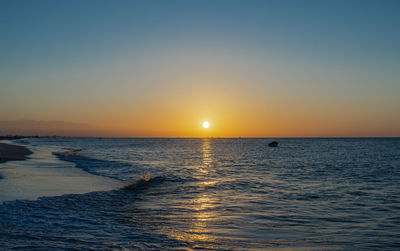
207	158
202	208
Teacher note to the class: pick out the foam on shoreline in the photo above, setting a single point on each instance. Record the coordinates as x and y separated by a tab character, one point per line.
43	174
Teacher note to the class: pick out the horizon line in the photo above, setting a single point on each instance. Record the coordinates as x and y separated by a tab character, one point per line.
212	137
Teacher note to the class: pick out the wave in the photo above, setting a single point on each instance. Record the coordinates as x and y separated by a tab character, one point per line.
98	167
68	152
106	220
144	183
112	169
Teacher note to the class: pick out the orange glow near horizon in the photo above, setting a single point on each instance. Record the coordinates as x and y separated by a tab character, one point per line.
174	100
173	91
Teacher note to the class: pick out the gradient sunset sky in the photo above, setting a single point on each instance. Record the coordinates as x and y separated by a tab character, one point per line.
161	68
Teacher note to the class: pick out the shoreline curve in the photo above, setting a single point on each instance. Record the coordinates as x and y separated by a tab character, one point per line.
10	152
43	174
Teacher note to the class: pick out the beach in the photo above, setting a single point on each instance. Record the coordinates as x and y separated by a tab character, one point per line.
13	152
42	174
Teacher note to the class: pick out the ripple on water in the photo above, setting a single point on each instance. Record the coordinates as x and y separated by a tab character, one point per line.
221	194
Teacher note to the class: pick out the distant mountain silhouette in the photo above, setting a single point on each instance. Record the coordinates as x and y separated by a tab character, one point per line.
47	128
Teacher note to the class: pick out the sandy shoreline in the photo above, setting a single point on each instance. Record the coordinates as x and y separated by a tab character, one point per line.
13	152
43	174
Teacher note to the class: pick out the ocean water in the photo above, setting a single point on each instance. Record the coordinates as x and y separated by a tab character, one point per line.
219	194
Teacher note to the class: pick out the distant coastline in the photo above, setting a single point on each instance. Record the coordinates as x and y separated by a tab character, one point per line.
12	137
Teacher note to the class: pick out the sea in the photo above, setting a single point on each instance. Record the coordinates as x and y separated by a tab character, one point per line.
217	194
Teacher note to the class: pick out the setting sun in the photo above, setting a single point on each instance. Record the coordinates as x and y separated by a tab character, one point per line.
206	124
227	125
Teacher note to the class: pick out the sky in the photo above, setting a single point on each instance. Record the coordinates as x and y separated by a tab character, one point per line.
160	68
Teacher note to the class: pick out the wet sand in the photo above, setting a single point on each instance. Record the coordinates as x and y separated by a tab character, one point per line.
13	152
42	174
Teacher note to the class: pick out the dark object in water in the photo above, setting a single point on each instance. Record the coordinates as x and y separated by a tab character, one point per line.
273	144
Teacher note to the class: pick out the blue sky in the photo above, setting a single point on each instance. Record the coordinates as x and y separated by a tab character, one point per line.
355	30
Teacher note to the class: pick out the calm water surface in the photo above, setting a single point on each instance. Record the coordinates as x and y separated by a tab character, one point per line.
219	194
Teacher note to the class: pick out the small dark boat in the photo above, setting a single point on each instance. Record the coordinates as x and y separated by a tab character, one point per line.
273	144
